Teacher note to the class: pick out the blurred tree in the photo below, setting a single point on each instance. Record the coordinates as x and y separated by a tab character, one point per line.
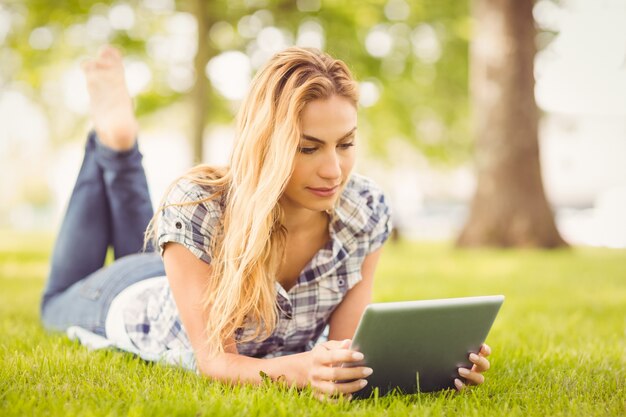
199	92
509	207
411	56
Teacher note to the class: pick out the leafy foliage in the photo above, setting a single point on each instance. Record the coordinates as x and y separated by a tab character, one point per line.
421	78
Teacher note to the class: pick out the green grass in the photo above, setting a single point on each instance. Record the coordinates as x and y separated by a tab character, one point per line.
558	343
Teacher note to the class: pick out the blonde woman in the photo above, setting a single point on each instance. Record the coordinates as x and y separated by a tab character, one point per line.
253	260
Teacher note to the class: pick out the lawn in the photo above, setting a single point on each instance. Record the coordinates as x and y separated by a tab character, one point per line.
559	343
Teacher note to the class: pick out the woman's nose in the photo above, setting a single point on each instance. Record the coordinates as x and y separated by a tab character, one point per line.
331	166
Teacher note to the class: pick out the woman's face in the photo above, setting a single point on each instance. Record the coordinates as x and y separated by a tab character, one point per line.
325	156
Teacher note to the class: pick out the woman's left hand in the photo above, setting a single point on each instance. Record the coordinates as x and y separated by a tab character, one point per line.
474	376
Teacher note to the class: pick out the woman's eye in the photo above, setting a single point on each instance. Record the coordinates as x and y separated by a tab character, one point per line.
346	145
306	151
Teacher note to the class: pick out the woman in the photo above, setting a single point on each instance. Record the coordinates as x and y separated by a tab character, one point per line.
257	258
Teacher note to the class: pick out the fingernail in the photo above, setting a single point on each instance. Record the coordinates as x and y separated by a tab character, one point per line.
474	357
458	383
464	371
357	356
367	371
363	382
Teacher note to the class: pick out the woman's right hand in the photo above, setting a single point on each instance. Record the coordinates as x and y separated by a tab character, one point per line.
326	373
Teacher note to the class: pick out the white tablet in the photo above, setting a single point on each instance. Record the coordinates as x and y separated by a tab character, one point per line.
418	346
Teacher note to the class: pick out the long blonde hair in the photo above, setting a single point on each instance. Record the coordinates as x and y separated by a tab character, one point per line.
249	249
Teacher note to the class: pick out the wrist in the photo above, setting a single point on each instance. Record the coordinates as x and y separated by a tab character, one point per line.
292	369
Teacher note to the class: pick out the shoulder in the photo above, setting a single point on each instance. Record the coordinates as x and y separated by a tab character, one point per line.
362	204
365	188
186	190
200	205
194	197
191	214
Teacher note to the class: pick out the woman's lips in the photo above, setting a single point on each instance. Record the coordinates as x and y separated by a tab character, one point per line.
323	192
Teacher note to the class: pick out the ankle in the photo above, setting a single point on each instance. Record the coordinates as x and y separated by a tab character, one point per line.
117	145
119	137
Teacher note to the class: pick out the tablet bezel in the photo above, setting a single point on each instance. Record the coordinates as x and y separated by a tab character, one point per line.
426	341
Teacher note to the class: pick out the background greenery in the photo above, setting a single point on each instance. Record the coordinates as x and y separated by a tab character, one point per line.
558	343
416	90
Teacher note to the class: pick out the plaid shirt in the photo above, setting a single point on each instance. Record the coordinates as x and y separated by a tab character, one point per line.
359	225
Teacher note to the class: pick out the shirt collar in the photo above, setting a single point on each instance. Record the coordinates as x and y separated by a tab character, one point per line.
349	219
351	211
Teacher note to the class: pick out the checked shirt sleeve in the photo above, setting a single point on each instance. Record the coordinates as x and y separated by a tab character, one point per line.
185	220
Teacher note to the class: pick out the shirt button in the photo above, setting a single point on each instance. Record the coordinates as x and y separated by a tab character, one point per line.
179	225
341	282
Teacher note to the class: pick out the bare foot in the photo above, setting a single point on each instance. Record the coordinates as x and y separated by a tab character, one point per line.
110	102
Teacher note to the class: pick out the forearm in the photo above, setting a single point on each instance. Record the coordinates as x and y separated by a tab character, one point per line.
233	368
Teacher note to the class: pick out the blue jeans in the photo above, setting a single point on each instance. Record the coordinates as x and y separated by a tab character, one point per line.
110	206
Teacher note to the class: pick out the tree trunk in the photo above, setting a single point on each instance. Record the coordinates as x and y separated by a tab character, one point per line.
509	207
199	93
